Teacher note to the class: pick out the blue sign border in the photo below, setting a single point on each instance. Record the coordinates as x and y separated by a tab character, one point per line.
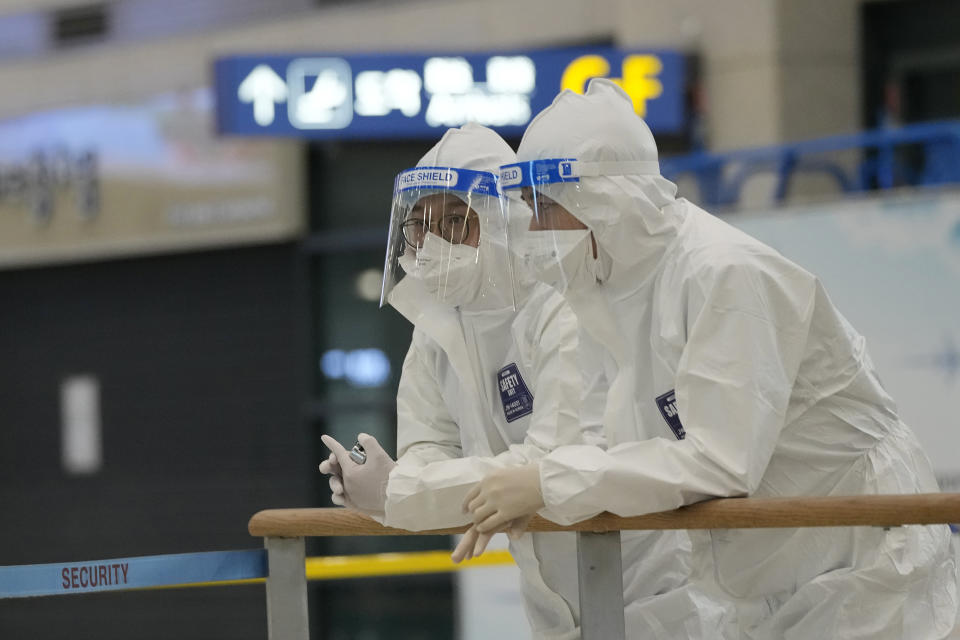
666	114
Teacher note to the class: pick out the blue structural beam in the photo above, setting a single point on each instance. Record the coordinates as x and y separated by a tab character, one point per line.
131	573
936	160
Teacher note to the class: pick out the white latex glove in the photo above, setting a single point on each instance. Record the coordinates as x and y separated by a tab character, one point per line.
331	467
473	543
363	487
504	495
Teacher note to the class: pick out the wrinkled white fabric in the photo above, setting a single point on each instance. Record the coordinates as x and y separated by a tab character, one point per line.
450	436
775	392
452	427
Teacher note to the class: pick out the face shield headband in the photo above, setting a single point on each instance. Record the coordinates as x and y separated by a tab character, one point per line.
534	173
446	179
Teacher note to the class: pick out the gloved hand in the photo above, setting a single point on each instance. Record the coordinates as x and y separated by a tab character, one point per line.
363	487
473	543
504	495
331	467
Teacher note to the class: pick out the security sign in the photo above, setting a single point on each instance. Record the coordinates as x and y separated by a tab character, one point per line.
412	96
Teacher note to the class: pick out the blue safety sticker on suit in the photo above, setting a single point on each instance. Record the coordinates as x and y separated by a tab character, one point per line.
667	403
516	398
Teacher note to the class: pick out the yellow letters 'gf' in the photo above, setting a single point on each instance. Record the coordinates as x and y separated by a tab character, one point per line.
639	77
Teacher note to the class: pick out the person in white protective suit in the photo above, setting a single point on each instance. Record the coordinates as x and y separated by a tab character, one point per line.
494	377
732	374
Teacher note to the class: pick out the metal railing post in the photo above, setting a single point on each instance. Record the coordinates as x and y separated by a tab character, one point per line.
287	617
601	586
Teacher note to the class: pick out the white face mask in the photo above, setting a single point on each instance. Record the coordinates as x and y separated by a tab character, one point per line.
562	259
448	271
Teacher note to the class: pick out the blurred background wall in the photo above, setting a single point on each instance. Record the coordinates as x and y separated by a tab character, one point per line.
183	310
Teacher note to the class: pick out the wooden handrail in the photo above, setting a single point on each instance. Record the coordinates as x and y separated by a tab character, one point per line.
724	513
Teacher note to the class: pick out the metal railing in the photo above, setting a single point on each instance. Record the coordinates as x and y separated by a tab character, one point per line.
721	176
598	543
285	569
885	162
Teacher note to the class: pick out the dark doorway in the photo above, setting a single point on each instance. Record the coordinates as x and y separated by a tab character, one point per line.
351	187
911	61
199	360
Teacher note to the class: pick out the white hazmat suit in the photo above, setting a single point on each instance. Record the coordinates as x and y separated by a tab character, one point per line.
453	429
738	377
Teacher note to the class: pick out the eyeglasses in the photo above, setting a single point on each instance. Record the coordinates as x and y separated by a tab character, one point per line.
452	227
536	200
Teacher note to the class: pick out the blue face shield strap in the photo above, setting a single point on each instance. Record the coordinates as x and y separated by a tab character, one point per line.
555	170
447	179
537	172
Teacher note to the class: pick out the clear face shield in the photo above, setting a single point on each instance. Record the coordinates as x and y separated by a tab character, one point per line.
448	231
544	202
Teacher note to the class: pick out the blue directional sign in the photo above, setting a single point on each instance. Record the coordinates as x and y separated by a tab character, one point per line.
420	95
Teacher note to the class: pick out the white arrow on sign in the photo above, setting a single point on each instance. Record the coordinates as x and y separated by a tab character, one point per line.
263	87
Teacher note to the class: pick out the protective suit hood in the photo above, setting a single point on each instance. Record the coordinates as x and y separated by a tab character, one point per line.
471	146
477	148
631	215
